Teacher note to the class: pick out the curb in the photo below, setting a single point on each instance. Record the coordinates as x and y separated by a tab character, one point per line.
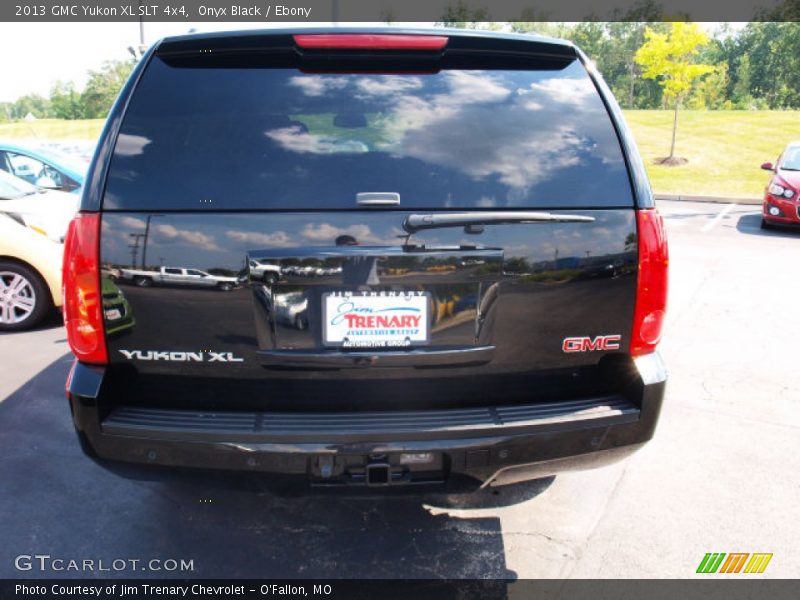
713	199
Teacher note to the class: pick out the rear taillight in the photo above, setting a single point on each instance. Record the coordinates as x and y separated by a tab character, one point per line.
83	305
369	41
651	288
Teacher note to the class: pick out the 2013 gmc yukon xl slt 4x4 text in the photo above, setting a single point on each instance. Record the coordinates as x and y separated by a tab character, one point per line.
470	273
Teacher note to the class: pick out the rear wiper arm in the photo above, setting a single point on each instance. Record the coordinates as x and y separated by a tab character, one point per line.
418	222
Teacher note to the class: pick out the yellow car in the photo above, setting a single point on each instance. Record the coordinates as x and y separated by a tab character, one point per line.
32	225
30	275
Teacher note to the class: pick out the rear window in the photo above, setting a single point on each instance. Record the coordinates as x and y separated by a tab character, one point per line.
278	138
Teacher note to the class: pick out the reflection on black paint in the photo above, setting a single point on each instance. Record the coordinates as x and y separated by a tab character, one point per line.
278	138
518	287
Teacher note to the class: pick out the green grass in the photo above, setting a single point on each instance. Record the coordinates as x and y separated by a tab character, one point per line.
724	148
53	129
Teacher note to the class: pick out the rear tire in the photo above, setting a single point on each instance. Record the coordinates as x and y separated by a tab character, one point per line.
143	281
270	278
24	297
225	287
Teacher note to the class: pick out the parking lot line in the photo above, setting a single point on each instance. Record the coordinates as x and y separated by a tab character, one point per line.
721	215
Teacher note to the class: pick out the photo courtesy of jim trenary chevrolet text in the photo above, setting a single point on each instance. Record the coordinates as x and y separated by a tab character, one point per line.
371	298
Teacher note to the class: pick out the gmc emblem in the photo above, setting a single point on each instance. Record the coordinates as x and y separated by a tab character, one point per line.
587	344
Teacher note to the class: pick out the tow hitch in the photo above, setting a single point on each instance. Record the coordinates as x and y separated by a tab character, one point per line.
379	474
373	471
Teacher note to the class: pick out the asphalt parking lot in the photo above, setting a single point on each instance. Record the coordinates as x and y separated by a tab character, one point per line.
720	475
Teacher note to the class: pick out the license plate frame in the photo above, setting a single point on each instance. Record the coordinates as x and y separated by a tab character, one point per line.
377	334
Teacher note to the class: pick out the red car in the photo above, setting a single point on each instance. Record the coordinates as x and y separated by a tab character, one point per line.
781	205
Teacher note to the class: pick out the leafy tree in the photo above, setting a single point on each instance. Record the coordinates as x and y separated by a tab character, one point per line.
785	67
35	104
758	41
787	10
741	95
711	92
627	35
668	58
5	111
592	37
516	265
612	47
530	24
463	17
66	101
773	71
104	86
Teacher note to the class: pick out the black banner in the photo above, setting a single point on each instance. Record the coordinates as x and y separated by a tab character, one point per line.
317	11
136	589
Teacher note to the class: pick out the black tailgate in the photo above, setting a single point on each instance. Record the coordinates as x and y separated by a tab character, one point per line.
497	260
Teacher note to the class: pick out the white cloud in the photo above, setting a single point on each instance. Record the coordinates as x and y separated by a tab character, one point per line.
327	233
317	85
387	85
132	222
257	238
296	140
562	90
473	88
431	128
131	145
192	238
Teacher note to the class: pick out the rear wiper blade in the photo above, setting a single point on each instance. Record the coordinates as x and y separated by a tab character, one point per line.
418	222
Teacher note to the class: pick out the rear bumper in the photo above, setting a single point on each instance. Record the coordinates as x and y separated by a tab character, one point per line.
482	446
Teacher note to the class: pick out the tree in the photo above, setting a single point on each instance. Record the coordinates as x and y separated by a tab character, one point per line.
103	87
529	23
765	69
711	92
31	103
65	101
463	17
627	34
787	10
741	90
668	58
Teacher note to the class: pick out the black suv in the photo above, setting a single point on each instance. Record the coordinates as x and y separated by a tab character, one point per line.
449	265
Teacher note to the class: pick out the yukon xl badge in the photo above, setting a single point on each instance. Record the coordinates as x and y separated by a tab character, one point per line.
587	344
206	356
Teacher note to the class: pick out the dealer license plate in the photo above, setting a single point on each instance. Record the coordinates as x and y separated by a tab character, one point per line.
382	320
113	314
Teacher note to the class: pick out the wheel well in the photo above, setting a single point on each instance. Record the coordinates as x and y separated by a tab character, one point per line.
14	259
